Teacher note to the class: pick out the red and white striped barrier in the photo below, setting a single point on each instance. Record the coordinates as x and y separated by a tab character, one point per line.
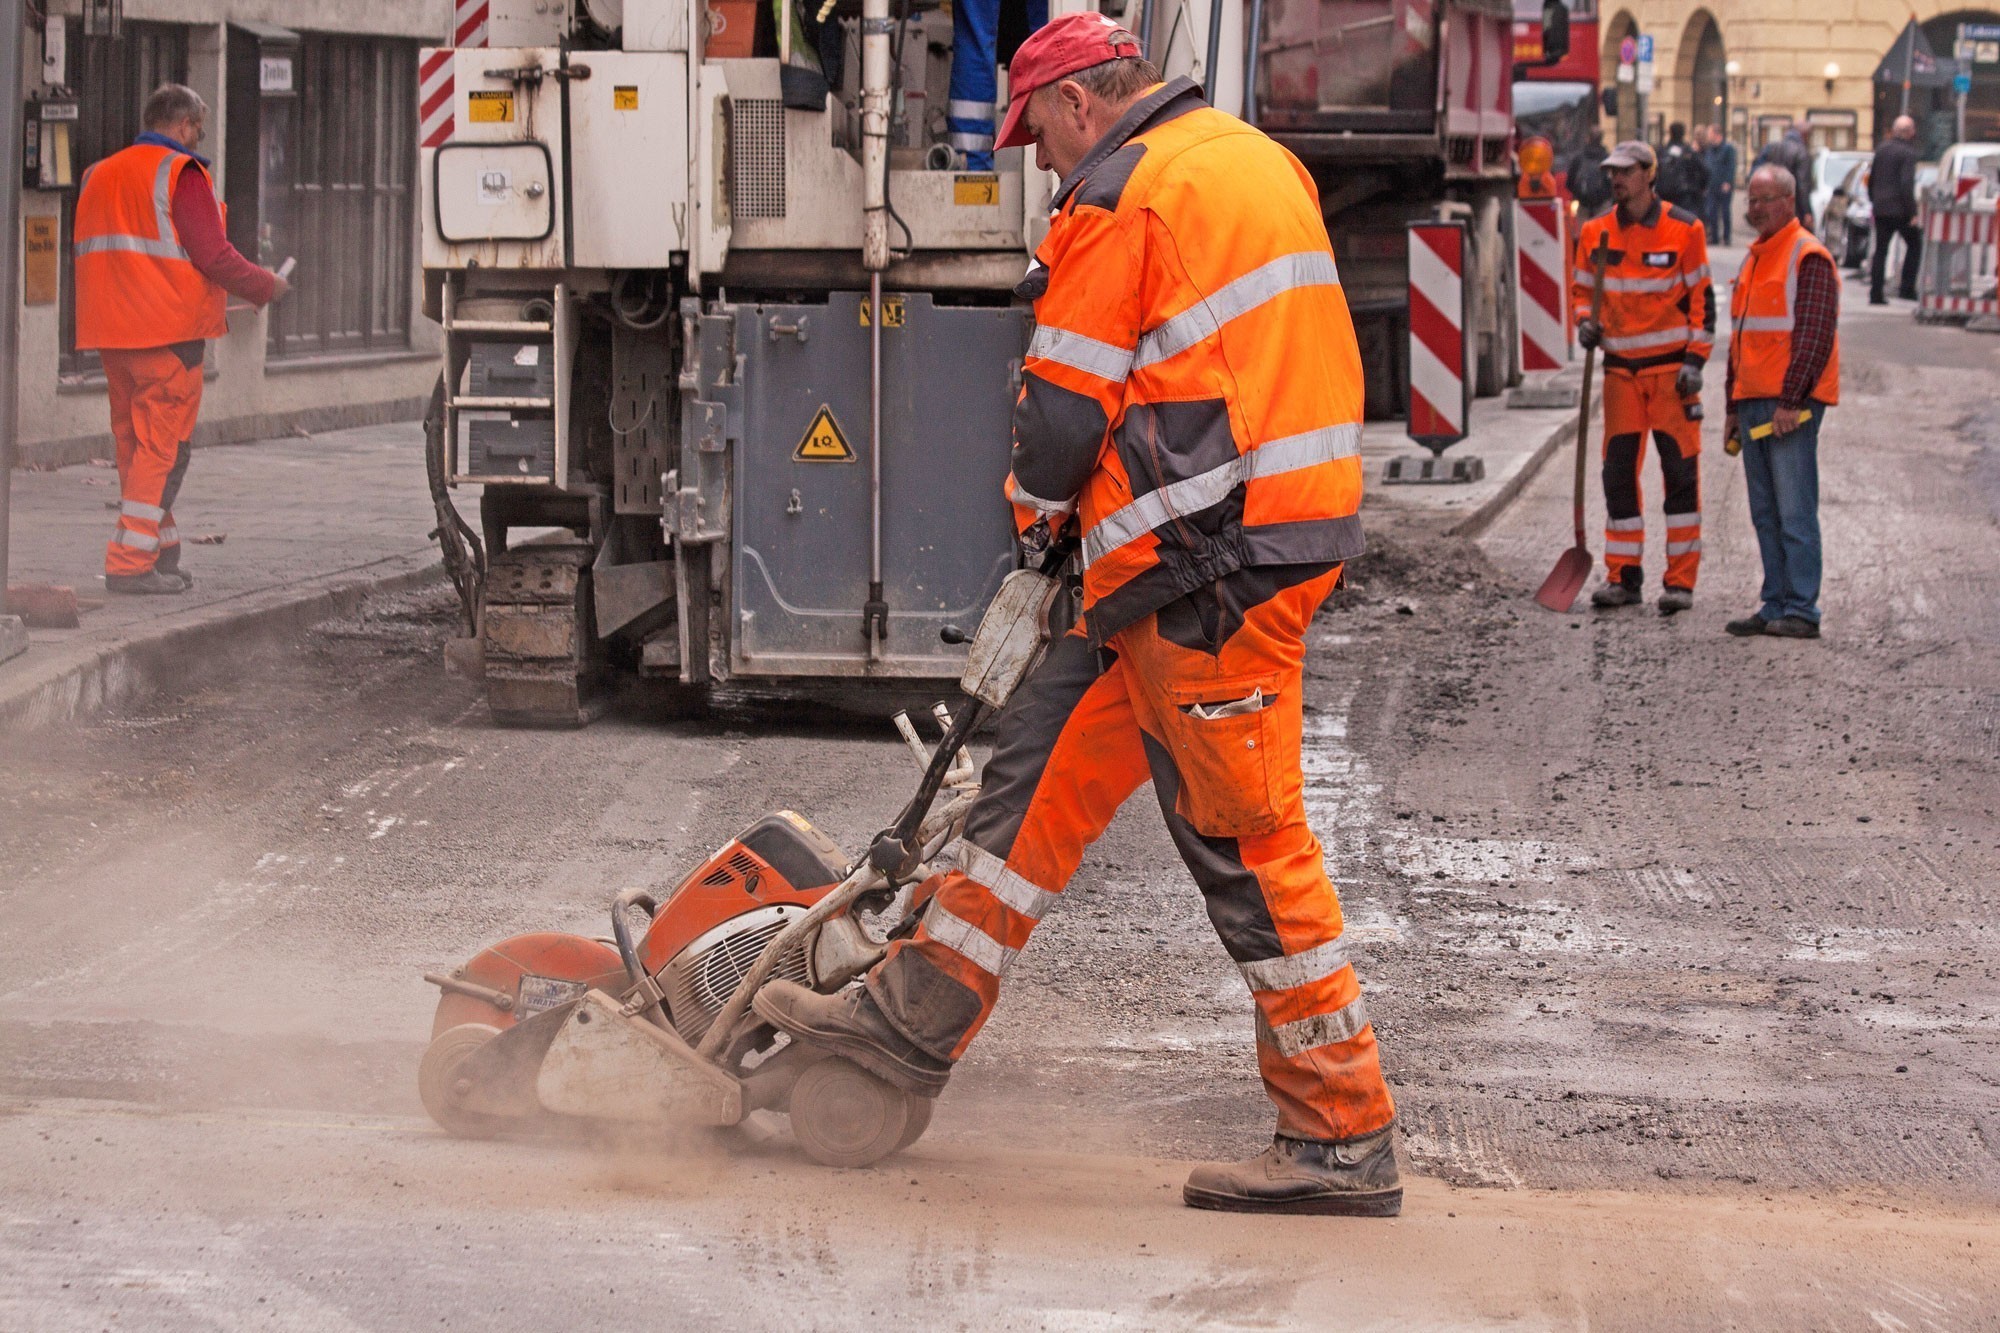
1440	392
436	95
1960	277
1538	250
468	23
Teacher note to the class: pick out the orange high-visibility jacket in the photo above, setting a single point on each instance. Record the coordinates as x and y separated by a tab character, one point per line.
1659	306
1193	389
1762	304
135	286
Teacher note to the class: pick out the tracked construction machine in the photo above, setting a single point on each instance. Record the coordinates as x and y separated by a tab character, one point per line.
731	332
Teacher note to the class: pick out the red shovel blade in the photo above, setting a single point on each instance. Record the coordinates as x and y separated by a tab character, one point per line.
1566	580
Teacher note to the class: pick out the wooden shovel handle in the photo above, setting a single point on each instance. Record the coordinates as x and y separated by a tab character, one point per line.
1597	260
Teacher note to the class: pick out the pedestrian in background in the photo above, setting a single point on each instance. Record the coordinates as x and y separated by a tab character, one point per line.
1784	372
1721	159
1585	178
1657	328
1683	176
1793	152
152	266
1892	189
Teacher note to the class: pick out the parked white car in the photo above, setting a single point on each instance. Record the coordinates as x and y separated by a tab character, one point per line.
1830	168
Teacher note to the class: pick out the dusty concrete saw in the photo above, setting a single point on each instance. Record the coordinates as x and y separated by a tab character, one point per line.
658	1029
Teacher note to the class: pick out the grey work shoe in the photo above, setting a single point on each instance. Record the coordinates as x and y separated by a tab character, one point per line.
1792	627
1616	594
1749	627
1675	599
151	583
1352	1178
849	1024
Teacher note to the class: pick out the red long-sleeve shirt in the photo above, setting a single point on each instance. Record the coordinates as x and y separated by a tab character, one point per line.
199	223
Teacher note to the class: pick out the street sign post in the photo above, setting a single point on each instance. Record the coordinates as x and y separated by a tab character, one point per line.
13	637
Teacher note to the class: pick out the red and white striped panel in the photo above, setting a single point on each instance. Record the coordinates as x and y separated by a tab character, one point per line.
1538	251
468	23
1439	403
1977	232
1958	226
435	97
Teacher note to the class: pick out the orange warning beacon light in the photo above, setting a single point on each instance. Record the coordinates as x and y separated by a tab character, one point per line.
1537	157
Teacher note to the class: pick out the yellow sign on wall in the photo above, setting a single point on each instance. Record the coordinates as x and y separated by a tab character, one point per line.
41	261
489	108
625	97
976	190
824	441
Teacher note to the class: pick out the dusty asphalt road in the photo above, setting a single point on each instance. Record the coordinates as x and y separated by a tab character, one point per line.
1682	950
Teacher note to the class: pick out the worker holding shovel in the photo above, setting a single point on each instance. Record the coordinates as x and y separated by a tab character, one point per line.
1656	327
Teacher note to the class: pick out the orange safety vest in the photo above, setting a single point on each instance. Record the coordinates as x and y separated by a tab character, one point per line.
1193	389
135	286
1659	306
1763	302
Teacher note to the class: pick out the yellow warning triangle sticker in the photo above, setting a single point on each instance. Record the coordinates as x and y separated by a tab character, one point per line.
824	441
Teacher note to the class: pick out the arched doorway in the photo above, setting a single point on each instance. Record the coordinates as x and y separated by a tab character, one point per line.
1702	76
1621	26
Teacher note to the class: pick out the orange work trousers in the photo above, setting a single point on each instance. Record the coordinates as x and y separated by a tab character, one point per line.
1635	403
1204	698
155	397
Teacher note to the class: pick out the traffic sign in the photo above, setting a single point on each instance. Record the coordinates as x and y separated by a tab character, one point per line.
1628	51
1646	49
1961	83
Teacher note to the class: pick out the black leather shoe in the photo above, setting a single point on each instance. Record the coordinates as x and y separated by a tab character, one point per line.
1675	599
1792	627
1351	1178
151	583
1616	594
849	1024
1748	627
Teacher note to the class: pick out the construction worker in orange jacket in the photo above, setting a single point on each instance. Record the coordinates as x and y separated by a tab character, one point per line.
1657	328
1192	401
152	266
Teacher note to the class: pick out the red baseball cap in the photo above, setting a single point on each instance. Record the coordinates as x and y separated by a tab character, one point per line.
1058	48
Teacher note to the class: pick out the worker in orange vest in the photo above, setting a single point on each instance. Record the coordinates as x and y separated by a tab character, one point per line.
1657	328
1784	372
1191	402
152	265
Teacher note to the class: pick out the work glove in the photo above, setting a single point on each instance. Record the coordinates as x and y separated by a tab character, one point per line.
1590	333
1688	383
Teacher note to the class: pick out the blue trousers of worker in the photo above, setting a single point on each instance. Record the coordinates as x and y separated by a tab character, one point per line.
971	115
1781	477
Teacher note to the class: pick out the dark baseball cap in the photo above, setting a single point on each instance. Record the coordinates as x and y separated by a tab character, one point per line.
1059	48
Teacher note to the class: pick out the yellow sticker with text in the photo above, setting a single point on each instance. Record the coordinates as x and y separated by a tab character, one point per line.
625	97
490	108
979	190
895	313
824	441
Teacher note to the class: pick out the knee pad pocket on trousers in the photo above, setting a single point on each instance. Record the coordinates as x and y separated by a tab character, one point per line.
1221	736
1621	475
925	1003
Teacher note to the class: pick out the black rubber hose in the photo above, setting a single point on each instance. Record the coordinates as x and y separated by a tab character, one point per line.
463	554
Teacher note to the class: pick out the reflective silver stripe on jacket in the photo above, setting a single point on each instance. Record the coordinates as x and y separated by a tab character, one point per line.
1020	495
1666	284
127	537
1638	342
170	536
1016	891
134	509
1295	970
1079	352
1307	1034
1308	268
968	941
165	246
1197	493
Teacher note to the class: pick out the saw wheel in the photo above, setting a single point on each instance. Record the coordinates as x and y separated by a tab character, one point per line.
844	1116
439	1082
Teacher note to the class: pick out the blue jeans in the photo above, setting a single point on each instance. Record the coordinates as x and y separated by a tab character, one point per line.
1781	475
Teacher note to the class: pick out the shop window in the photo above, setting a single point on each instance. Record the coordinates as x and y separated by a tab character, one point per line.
112	77
338	163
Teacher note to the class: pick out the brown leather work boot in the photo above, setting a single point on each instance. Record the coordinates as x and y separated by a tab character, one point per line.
849	1024
1352	1178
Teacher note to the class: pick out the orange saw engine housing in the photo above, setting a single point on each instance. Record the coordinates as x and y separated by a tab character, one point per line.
701	943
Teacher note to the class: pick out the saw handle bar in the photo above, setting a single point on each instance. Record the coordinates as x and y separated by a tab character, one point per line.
898	850
621	930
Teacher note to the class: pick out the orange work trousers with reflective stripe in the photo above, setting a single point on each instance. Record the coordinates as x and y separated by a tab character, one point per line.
1636	403
155	398
1204	698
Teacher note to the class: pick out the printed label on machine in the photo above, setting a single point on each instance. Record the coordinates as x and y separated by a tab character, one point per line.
541	994
489	108
977	190
824	441
625	97
496	187
895	313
